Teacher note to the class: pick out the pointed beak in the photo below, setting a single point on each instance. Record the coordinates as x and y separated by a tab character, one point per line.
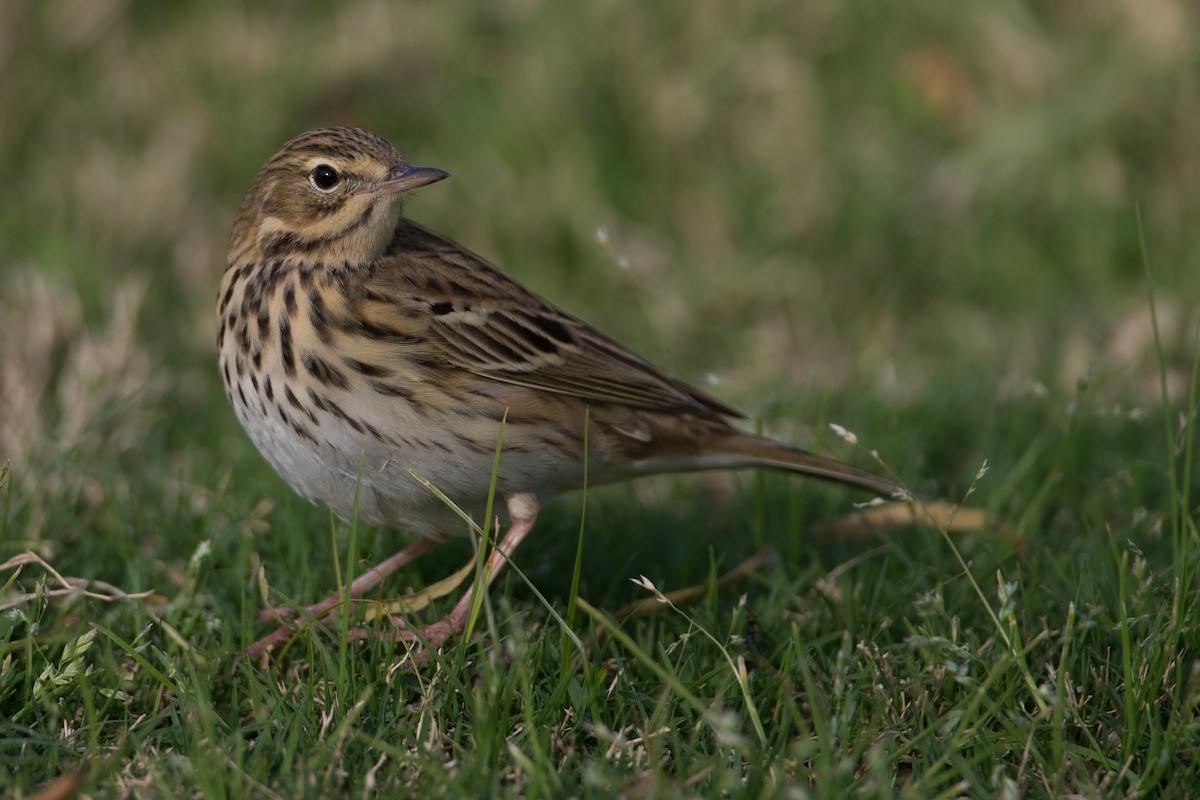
406	177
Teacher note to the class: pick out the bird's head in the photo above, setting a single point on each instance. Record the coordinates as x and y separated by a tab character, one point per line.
332	193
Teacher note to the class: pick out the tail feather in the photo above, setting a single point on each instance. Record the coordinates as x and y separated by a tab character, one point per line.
738	450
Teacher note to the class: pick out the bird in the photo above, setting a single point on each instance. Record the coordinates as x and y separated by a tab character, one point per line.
373	361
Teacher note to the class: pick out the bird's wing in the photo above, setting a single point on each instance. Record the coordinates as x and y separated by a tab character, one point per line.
457	309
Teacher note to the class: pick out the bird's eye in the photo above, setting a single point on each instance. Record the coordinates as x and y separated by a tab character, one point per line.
324	177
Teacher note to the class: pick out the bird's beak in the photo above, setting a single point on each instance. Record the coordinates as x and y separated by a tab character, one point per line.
408	176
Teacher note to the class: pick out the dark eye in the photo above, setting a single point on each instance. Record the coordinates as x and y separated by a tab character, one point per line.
324	177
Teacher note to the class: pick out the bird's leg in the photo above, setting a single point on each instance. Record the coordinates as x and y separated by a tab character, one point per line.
522	509
360	586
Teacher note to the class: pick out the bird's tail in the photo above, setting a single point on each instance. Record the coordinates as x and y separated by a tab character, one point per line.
738	450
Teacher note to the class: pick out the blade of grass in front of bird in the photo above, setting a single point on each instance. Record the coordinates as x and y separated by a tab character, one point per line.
578	567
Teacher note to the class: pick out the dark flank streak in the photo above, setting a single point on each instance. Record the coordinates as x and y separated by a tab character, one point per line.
429	362
373	431
564	433
304	432
316	400
474	446
363	368
268	390
336	410
495	413
296	404
323	371
393	390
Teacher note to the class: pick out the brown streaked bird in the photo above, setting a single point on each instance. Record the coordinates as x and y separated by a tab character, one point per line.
358	347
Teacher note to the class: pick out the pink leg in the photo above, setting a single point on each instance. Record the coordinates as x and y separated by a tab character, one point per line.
360	586
522	508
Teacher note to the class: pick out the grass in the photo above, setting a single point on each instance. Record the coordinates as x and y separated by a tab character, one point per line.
916	222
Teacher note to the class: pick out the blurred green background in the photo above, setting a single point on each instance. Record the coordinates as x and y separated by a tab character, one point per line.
796	195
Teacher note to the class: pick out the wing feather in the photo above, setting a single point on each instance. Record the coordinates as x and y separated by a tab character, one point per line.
464	312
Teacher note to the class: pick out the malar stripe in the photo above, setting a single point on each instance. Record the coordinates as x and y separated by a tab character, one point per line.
289	243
